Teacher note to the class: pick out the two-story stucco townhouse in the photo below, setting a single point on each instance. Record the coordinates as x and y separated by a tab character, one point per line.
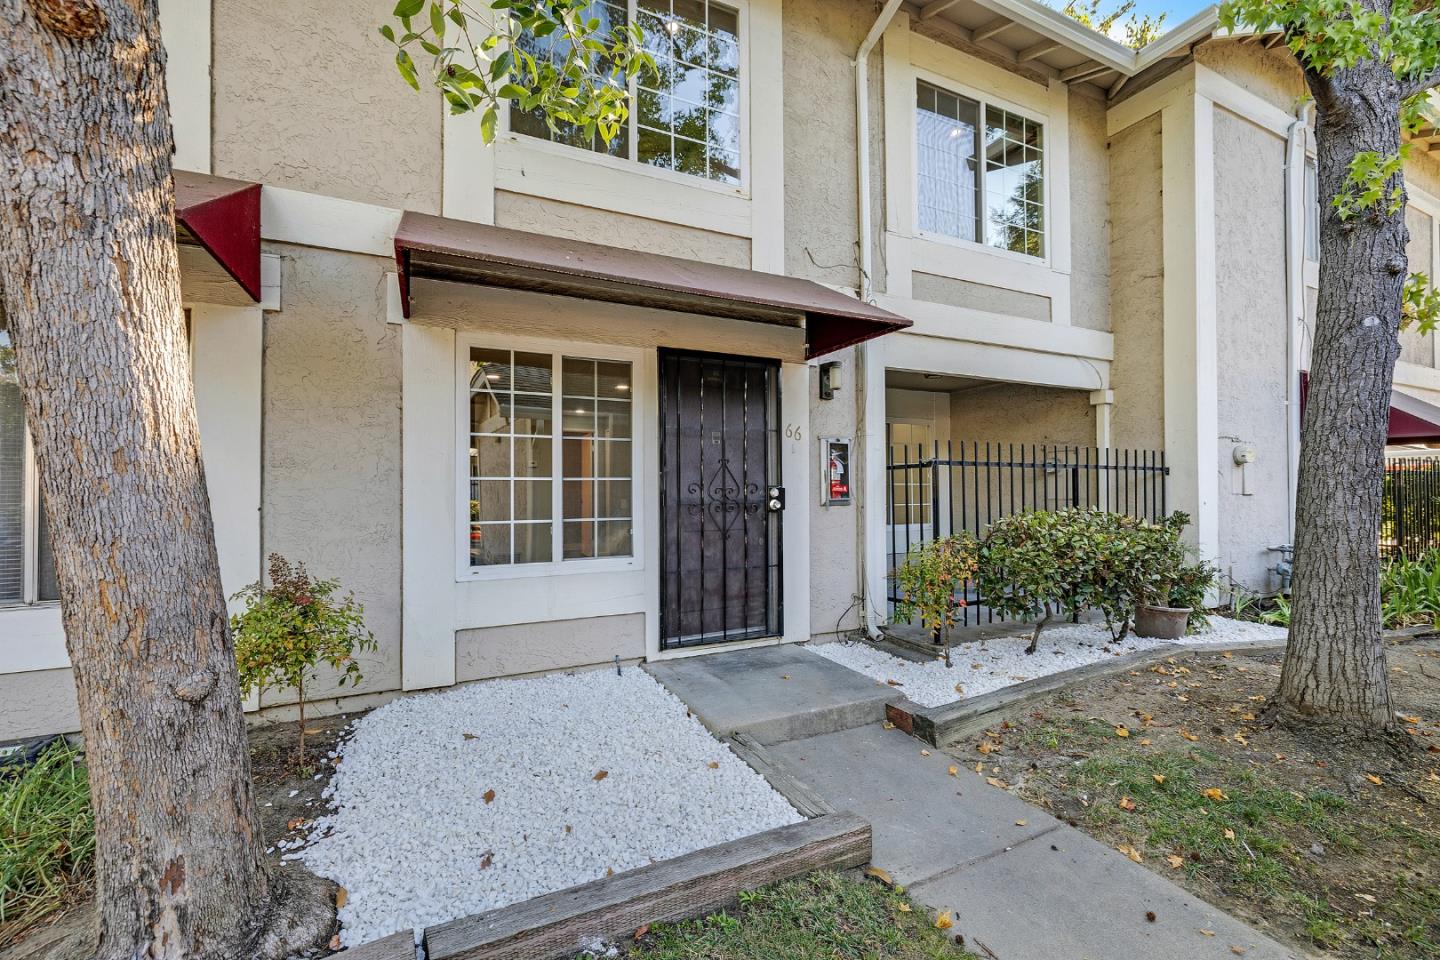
547	404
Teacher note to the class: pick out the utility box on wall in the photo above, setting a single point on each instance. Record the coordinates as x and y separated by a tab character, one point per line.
835	476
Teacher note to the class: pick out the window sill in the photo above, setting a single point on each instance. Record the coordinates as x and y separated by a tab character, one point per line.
984	249
535	571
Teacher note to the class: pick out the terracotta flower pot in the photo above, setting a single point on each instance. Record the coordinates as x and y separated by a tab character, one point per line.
1161	623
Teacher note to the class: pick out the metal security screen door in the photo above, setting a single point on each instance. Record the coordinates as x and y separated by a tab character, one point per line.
720	537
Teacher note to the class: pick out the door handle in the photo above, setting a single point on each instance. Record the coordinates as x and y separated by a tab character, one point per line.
775	499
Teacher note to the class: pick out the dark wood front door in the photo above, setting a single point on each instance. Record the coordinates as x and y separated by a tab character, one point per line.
720	532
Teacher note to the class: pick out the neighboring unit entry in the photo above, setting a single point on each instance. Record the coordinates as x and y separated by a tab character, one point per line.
834	471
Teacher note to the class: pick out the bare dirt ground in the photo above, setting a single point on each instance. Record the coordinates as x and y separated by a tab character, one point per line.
288	792
1333	846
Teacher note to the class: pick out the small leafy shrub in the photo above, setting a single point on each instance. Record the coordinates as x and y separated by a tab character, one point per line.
1410	590
1279	614
1044	564
932	583
47	838
292	627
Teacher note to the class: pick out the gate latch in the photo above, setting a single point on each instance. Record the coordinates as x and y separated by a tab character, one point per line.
775	499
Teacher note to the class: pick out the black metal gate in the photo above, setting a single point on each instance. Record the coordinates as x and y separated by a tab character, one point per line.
719	539
1410	507
938	489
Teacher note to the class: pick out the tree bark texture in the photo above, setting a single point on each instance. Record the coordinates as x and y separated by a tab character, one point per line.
1334	670
91	289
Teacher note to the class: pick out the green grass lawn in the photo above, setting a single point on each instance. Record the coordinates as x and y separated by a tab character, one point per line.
821	917
47	837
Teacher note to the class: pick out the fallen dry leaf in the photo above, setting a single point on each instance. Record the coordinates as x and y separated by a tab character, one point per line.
1120	731
895	683
1175	862
887	725
954	771
1216	794
1374	779
943	920
903	907
1207	933
601	775
487	860
469	736
609	871
1126	803
1365	896
714	764
1238	951
1159	778
875	873
924	753
641	930
488	796
335	942
1131	852
1187	735
1022	823
997	782
342	897
986	747
960	689
1229	834
1145	741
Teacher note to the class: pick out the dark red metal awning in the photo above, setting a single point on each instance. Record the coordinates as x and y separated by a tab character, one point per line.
223	217
1412	420
436	248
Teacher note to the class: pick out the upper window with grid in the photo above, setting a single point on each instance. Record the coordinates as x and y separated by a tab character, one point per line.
1000	201
685	119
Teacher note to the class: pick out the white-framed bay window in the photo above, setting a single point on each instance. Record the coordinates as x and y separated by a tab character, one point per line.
549	457
980	171
27	565
690	119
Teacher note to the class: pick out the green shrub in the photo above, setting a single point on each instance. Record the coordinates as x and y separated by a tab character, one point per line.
1040	565
932	583
47	838
1410	590
293	626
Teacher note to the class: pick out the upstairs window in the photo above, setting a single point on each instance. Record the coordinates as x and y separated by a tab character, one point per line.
980	172
688	118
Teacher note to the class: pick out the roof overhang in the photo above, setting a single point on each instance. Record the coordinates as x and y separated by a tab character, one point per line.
437	248
222	216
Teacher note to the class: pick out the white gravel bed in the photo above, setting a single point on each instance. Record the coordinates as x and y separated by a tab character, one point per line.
416	837
986	665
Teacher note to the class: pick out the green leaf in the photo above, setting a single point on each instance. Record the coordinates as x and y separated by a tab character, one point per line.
487	125
387	33
406	66
408	8
437	21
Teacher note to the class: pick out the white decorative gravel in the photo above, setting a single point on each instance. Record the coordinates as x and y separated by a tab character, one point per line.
986	665
414	842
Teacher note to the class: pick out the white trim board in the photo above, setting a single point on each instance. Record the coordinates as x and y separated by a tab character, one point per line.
939	320
185	30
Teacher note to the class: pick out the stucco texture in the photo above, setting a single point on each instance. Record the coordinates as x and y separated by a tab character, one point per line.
834	547
1089	214
556	219
37	703
487	652
1270	74
1021	413
331	453
306	96
1136	285
1250	334
820	40
978	296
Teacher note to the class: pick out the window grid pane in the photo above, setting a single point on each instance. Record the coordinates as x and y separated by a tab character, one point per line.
947	163
1014	182
510	466
596	447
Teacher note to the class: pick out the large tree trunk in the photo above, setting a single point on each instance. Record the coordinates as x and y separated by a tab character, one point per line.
92	296
1334	670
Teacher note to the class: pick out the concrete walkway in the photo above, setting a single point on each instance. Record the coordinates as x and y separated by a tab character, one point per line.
1021	884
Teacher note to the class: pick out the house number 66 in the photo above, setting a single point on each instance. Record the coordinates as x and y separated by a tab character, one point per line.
792	431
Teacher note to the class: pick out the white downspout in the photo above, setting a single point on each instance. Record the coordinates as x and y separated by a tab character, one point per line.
1295	218
862	353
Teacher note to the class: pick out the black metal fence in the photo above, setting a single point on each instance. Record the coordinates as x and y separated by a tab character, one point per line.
938	489
1410	506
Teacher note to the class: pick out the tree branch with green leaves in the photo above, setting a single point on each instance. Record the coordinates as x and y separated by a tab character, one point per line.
555	57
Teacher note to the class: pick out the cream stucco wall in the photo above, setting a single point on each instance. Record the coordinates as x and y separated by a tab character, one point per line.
306	96
820	40
979	296
1250	324
1137	285
1417	347
1089	214
553	218
37	703
1021	413
1269	74
481	654
834	547
331	480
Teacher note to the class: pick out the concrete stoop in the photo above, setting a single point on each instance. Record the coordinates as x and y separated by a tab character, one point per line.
772	694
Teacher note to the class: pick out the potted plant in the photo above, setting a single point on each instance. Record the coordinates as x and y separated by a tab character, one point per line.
932	583
1176	601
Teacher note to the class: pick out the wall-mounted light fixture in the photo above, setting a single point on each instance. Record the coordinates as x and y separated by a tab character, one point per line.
829	380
